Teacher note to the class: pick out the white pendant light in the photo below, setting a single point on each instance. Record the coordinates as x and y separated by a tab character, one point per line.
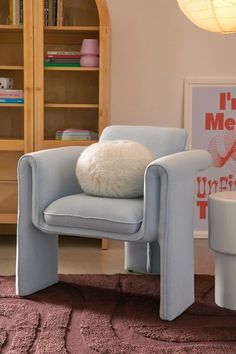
212	15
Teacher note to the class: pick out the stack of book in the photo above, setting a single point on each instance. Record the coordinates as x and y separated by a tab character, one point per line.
16	12
62	58
11	96
53	12
75	134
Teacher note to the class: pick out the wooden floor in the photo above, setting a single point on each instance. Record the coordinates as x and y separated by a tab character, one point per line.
78	256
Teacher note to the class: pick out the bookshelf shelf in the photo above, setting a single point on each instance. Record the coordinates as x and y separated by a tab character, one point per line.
11	67
12	28
12	105
70	105
8	218
71	28
70	69
8	182
11	145
48	144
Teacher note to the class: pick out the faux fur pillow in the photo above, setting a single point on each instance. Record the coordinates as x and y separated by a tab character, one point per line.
113	168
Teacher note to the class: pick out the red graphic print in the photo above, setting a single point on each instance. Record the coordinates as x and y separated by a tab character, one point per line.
223	149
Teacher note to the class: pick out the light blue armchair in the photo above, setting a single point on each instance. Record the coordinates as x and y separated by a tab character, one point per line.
157	230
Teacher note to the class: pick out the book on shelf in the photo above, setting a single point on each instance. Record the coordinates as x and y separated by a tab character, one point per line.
21	12
50	12
59	12
62	52
53	12
75	134
76	131
46	10
54	16
57	61
11	100
63	60
15	12
63	56
11	93
74	138
10	12
61	65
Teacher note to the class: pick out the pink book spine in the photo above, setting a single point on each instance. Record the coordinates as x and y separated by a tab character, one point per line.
11	94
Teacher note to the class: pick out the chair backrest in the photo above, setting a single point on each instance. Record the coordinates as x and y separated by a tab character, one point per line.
160	141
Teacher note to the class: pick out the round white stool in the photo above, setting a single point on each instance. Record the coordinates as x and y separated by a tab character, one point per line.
222	240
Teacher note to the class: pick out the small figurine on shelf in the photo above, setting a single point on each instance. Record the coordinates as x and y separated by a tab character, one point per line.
89	53
6	83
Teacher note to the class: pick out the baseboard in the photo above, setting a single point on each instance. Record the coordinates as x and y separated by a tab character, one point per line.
200	235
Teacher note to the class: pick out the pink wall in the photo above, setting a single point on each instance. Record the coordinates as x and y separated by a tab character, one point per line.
154	47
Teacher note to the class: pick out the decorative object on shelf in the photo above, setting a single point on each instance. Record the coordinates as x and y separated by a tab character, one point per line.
212	15
75	134
6	83
89	53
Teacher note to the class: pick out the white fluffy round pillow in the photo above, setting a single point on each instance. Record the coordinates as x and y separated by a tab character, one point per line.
113	168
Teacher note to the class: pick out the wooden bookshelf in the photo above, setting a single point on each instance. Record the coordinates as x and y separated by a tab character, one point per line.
15	136
71	97
54	97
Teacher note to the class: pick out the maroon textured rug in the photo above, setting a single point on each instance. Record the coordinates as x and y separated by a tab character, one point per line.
111	314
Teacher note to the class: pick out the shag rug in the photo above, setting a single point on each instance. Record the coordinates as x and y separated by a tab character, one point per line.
112	314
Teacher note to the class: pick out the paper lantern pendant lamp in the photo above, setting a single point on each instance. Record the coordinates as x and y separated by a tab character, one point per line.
212	15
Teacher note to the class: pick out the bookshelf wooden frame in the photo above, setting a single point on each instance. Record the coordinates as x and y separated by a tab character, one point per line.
30	70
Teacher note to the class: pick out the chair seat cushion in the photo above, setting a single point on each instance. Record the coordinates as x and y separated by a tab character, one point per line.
95	213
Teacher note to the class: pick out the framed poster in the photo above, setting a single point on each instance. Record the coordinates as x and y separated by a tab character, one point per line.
210	119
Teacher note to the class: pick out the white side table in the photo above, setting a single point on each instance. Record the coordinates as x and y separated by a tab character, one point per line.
222	240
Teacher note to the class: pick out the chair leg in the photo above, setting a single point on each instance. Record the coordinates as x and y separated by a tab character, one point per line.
36	263
142	257
104	244
36	266
177	277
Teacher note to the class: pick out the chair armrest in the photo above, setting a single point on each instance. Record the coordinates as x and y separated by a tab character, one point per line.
189	161
169	188
173	180
47	175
